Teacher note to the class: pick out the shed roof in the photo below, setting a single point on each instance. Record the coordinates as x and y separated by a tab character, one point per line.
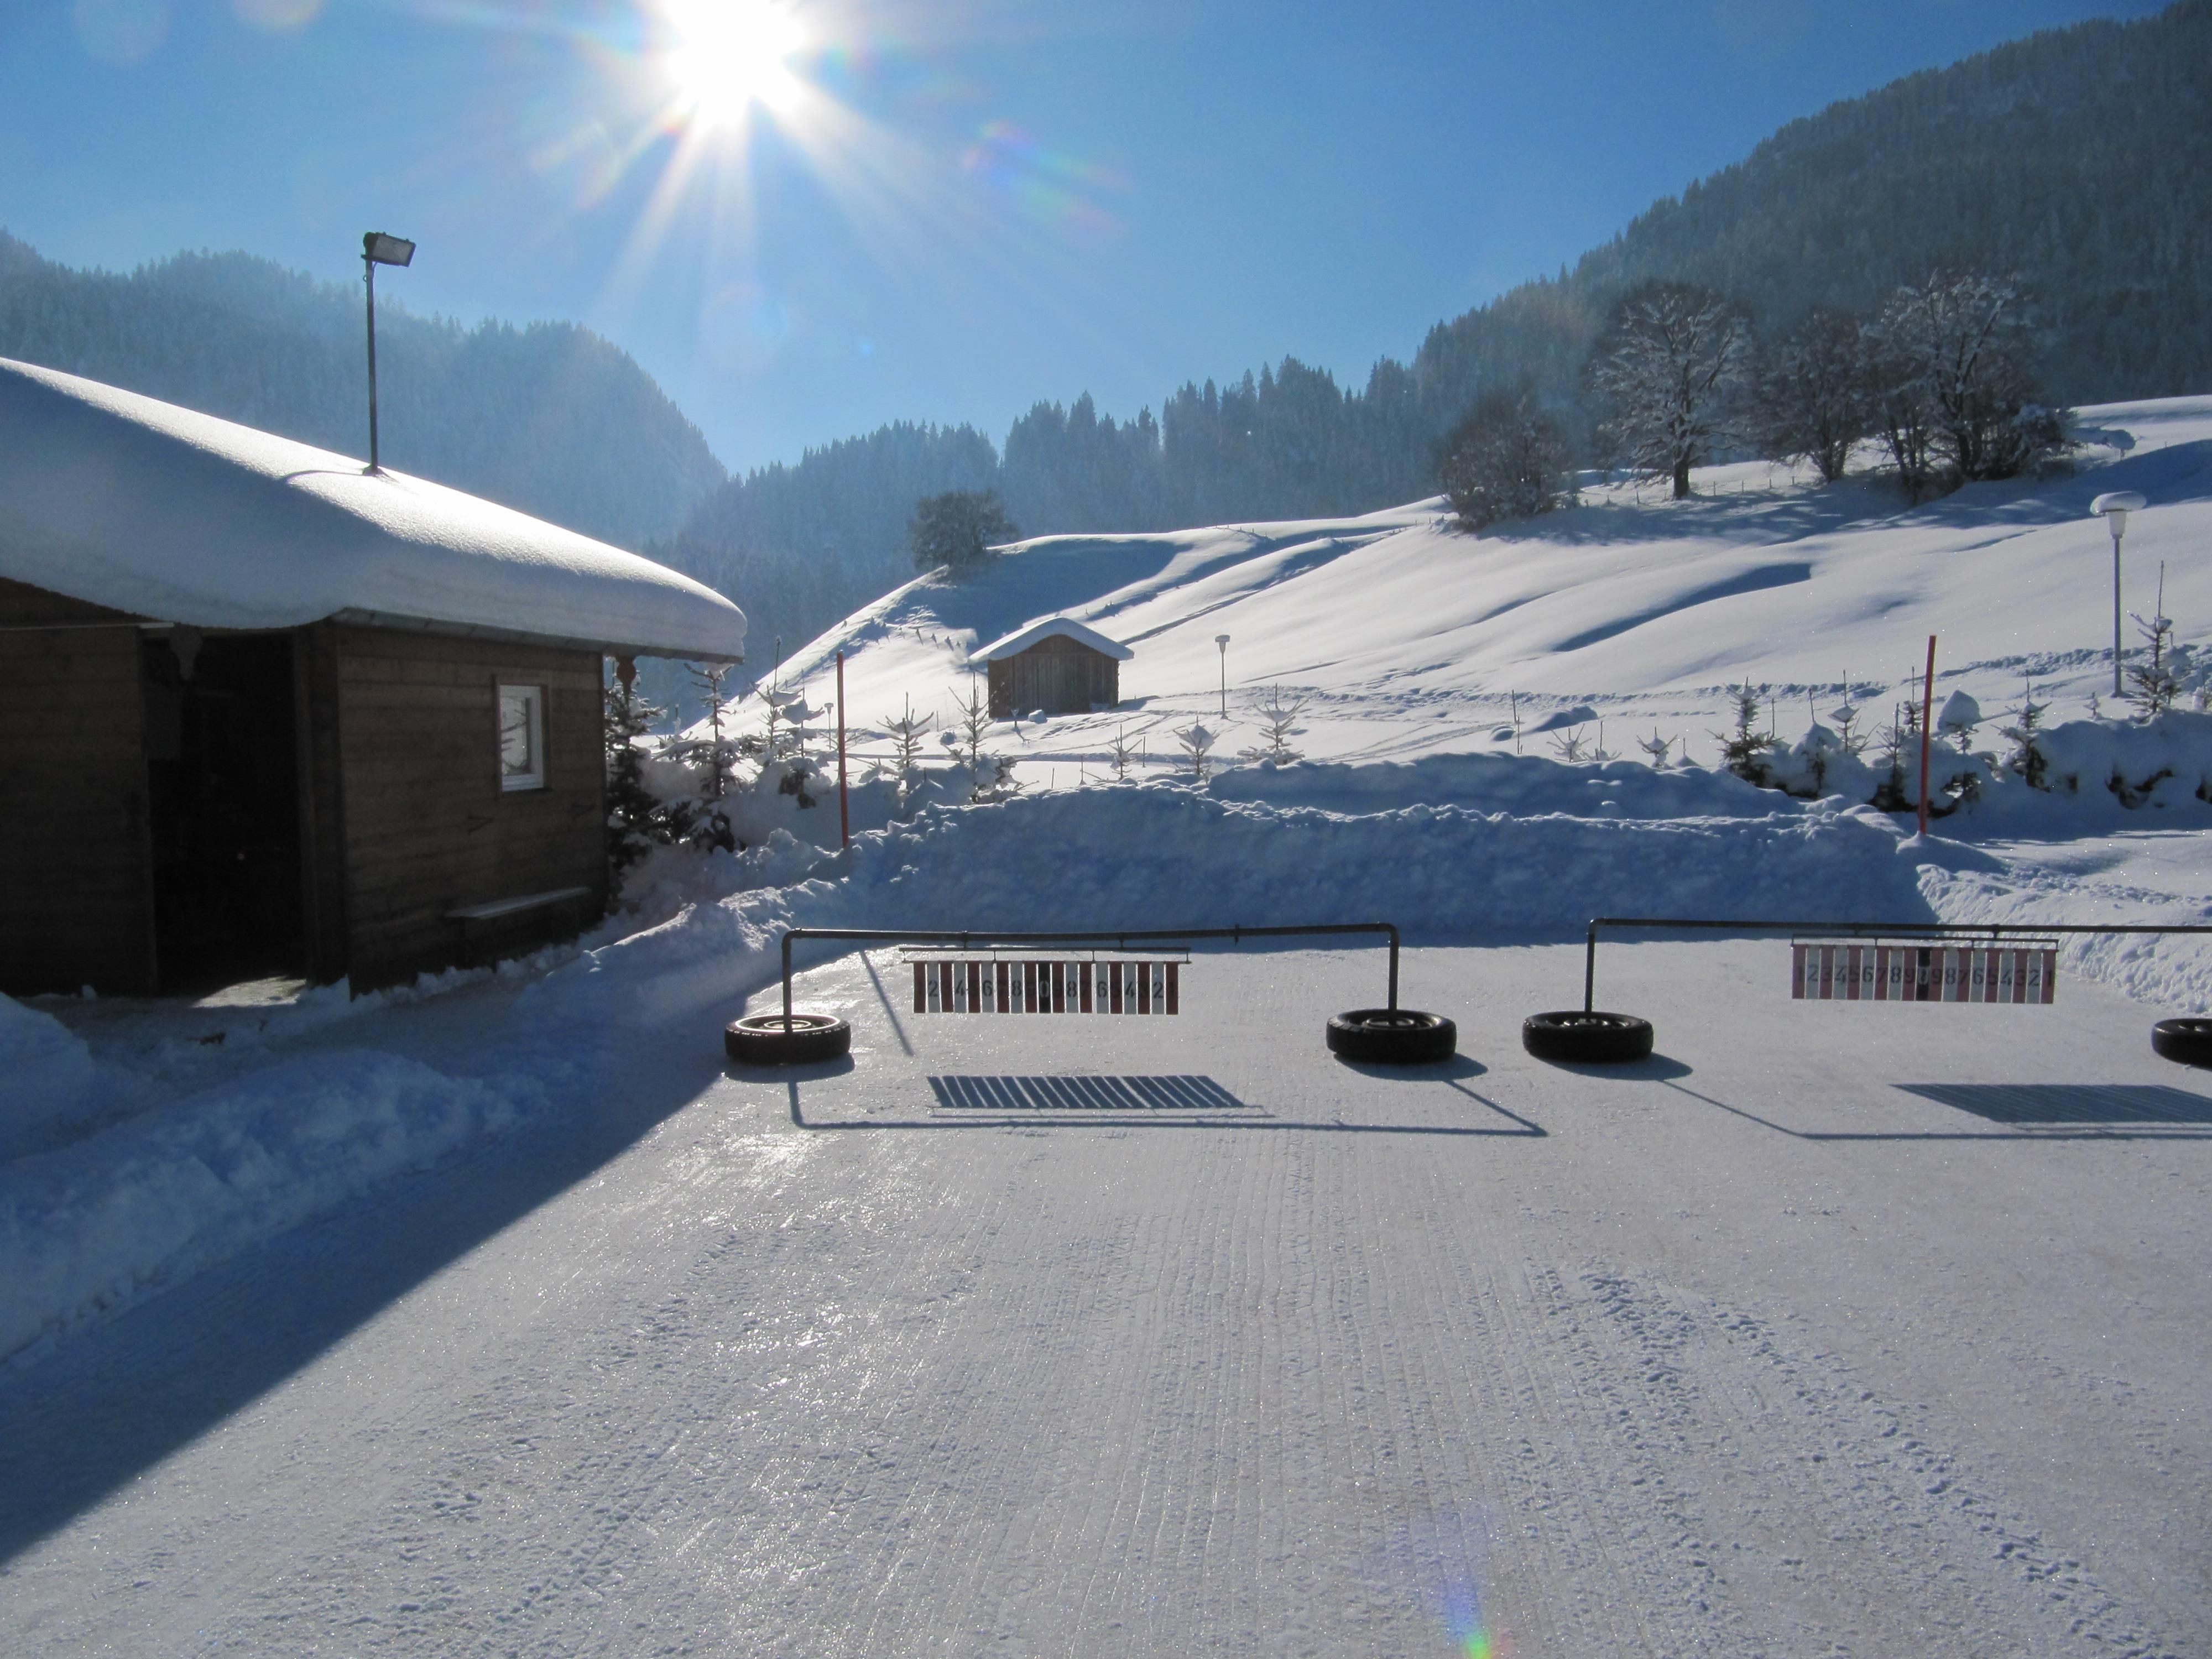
1067	627
126	502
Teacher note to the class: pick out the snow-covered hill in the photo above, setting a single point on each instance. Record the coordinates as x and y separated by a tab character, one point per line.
1408	638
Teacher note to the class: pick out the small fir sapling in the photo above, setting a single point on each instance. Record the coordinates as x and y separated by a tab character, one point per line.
635	817
1568	746
1122	753
906	735
1001	785
1601	754
1196	740
718	761
2027	762
1956	720
2152	685
1849	738
1656	747
799	766
1279	718
1743	750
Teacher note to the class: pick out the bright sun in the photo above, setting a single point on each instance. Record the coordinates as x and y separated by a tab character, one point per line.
730	55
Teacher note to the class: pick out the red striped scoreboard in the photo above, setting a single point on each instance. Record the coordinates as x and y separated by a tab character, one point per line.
2023	971
1008	982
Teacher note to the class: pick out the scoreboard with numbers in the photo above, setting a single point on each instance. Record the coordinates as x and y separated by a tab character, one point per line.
1918	970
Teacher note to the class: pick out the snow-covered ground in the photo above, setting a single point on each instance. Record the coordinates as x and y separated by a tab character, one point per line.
1837	1329
1544	1379
1408	639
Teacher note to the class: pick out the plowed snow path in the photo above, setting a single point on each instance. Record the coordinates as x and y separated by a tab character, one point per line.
1753	1350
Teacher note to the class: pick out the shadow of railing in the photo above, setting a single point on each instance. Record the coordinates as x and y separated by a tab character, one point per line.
2027	1111
2071	1105
1091	1101
1083	1094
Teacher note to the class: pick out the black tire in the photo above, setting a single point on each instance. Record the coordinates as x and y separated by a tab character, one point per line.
2189	1041
1589	1039
763	1040
1393	1037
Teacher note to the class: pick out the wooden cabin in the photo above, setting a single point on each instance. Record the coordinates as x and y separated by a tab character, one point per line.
264	713
1058	666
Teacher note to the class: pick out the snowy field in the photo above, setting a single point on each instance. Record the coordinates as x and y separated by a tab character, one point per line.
1832	1329
493	1313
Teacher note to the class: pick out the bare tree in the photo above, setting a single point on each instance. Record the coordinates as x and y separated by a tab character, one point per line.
1669	370
1507	458
1814	399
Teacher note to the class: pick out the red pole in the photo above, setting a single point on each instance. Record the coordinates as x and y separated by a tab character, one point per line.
1926	713
844	810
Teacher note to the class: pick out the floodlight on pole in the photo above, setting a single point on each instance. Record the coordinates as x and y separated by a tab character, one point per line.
379	249
1222	641
2115	506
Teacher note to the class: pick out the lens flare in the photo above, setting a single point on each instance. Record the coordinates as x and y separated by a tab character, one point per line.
730	55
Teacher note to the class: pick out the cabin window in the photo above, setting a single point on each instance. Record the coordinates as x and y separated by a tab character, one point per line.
522	737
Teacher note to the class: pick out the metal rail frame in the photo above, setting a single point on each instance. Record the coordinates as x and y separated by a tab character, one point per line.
1994	930
969	941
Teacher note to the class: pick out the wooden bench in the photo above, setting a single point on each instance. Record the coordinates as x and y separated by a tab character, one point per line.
469	916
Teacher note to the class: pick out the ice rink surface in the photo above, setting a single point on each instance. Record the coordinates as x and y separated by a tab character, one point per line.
1832	1329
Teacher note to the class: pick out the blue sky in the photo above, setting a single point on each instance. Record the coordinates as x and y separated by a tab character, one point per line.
951	209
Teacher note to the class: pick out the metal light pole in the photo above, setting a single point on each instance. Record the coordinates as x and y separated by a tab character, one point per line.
379	249
1222	640
2116	505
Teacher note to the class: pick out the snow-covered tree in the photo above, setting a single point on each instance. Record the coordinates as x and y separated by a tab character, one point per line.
1669	371
1744	749
1279	718
1196	741
906	732
1958	350
1507	458
718	760
2028	761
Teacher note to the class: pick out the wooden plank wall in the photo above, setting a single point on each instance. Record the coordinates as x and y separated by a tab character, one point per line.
426	826
75	869
1057	674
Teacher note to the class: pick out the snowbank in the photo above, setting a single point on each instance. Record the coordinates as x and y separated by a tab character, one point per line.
85	1229
44	1070
1160	855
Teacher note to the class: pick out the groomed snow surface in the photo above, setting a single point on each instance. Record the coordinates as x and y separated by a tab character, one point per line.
497	1314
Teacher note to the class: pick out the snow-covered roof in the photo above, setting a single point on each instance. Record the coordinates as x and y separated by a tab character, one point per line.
1067	627
125	501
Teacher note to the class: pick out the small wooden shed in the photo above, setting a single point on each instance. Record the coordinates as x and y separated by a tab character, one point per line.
262	712
1058	665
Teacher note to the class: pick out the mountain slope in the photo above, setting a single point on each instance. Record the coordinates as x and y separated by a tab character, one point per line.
550	419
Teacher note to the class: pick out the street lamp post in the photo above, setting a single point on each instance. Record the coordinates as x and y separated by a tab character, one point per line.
1222	640
379	249
2115	506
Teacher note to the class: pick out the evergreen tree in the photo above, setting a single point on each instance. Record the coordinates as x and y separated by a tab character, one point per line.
957	528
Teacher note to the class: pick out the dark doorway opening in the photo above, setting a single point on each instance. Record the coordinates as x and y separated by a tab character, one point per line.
223	793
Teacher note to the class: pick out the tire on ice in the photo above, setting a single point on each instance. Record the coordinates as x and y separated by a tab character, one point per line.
1587	1037
2189	1041
766	1040
1393	1037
